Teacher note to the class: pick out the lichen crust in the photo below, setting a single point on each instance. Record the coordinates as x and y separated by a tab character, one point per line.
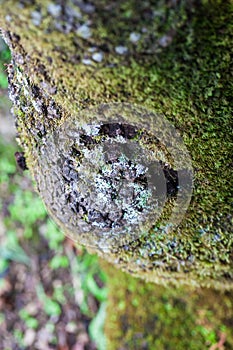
106	181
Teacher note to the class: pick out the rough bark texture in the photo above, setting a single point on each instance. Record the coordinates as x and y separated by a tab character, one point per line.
70	55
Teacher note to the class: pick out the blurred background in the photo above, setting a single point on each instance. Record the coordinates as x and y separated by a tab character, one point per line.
52	293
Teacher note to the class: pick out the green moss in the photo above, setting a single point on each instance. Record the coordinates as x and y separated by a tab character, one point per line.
153	317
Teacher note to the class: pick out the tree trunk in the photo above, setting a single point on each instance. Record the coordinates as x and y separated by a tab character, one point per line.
91	82
145	316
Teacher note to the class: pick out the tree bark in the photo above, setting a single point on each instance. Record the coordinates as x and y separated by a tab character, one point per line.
145	316
71	61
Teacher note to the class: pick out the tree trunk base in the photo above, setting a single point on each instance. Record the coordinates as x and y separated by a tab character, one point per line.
144	316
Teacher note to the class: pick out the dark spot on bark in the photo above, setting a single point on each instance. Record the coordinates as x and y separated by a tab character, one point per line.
75	152
228	275
35	91
86	140
117	129
20	160
15	38
172	180
49	59
25	3
104	47
68	171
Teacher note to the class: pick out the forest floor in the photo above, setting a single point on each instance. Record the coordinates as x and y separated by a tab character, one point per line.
52	293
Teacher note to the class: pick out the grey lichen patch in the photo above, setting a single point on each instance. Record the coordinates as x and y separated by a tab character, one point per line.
97	56
102	180
121	50
134	37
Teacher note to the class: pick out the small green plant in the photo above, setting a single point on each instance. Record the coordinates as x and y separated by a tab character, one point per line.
4	58
54	236
59	261
88	268
96	328
208	334
59	294
27	208
11	249
51	306
29	320
18	335
2	318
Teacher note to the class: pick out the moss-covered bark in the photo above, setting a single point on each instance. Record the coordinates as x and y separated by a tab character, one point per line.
145	316
180	67
68	56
